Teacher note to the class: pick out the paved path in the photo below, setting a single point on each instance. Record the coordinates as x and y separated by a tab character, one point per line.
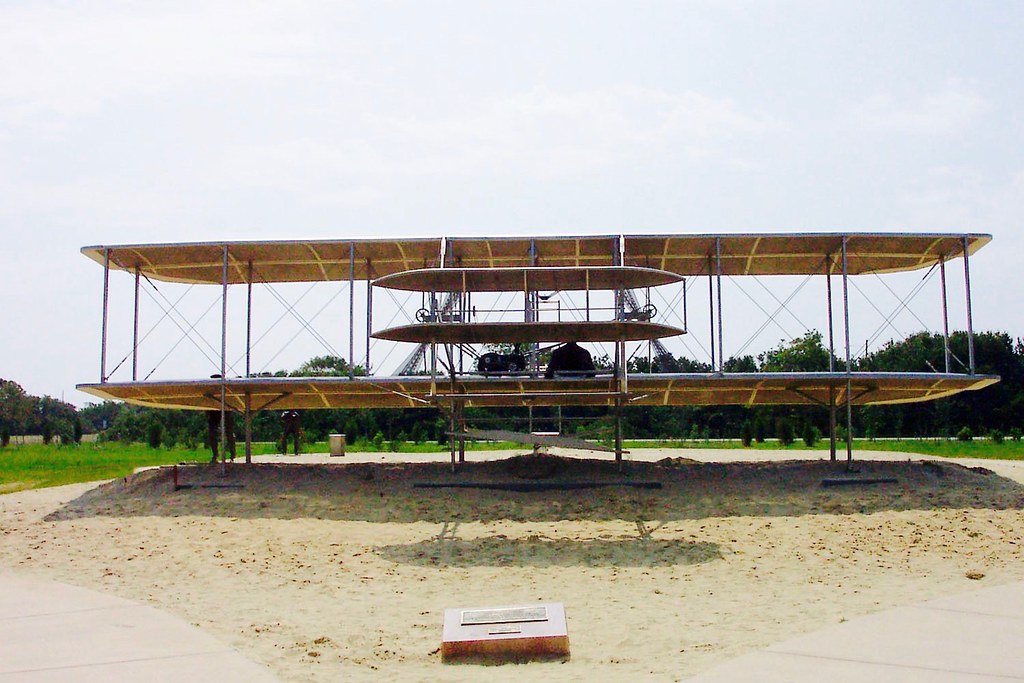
55	632
970	638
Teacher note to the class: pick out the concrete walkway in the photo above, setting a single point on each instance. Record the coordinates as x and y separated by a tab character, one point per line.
55	632
970	638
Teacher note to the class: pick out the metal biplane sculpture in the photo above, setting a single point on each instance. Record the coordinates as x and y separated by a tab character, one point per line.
450	272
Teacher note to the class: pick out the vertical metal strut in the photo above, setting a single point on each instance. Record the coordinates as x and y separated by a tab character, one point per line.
718	260
970	317
369	312
135	331
248	427
103	325
351	309
831	361
248	326
945	312
849	383
711	312
223	361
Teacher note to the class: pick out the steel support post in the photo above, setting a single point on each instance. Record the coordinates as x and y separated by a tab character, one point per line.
248	427
970	316
462	431
103	324
849	383
618	432
832	423
451	430
945	313
831	360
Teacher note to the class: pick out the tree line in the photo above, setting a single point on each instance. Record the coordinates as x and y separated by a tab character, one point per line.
998	409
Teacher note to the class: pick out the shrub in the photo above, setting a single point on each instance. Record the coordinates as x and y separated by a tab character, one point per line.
418	433
66	431
47	432
760	429
395	444
77	430
965	434
5	437
352	431
746	433
378	440
810	434
1015	433
841	434
154	434
784	431
996	435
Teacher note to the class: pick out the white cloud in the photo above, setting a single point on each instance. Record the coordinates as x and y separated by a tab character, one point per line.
537	134
952	109
58	62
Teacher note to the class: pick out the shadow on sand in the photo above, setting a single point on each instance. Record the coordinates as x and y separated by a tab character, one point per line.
541	552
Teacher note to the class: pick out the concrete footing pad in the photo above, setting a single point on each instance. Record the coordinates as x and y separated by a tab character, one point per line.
970	638
55	632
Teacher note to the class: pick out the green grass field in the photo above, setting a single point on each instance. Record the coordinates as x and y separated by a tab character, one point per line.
38	466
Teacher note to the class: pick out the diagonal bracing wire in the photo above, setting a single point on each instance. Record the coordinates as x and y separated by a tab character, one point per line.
151	329
307	325
183	337
886	321
171	311
903	303
782	306
763	309
279	319
785	306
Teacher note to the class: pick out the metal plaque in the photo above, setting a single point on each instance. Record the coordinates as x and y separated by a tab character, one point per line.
511	615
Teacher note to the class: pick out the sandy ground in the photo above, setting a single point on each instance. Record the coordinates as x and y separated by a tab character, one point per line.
340	568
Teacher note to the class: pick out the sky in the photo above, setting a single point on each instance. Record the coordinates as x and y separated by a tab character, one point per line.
127	122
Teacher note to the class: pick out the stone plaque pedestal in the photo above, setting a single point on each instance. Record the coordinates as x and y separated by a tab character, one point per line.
495	634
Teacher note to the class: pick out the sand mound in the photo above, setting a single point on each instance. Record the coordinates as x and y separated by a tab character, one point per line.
330	572
406	493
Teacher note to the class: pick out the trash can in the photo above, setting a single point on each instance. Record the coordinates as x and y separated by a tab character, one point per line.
337	444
